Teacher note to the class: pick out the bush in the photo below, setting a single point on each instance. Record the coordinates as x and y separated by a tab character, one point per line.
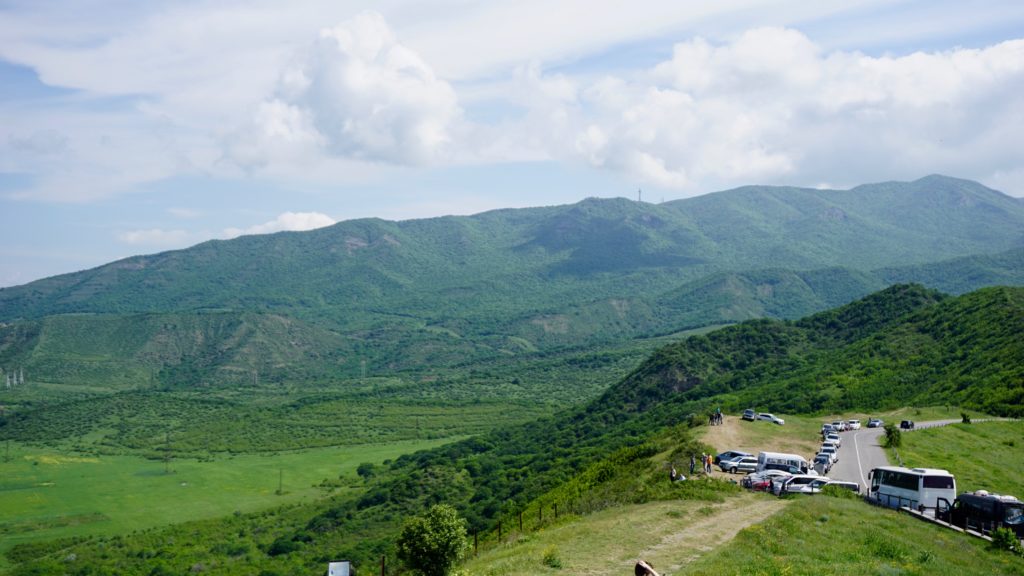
838	492
1006	539
893	436
433	543
550	558
965	417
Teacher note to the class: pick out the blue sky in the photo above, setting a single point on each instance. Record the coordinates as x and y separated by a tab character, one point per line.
136	127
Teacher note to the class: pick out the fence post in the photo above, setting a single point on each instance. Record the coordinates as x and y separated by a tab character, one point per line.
520	522
475	543
499	531
556	510
382	565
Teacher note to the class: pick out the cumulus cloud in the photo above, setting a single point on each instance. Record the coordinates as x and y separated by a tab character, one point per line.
772	106
357	93
155	237
290	221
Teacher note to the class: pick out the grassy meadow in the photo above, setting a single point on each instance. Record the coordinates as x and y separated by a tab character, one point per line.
47	494
982	455
744	534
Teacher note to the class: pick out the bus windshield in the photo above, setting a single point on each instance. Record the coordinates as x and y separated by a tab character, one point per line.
1014	515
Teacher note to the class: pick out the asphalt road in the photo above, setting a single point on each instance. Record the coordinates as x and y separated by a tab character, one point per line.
861	451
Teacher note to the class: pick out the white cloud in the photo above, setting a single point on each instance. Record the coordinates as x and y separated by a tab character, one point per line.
291	221
155	237
772	106
358	93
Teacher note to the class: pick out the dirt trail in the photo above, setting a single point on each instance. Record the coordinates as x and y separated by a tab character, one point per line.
706	533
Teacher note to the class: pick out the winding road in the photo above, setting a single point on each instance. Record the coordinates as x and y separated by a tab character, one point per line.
861	451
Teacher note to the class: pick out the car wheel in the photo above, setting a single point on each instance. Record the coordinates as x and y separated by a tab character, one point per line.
732	470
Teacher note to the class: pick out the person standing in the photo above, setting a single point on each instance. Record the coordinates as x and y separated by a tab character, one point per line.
693	464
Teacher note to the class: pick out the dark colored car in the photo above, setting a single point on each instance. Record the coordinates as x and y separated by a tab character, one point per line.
749	414
730	455
907	424
984	512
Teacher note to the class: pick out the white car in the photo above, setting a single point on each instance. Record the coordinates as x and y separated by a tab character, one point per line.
853	424
770	418
839	426
796	483
832	452
812	487
834	438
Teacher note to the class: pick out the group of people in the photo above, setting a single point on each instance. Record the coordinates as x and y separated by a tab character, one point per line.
706	462
716	418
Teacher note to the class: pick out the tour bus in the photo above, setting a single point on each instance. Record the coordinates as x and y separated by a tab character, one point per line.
777	461
917	488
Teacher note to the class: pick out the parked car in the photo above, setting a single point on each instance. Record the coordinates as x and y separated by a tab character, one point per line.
907	424
749	414
831	451
875	423
830	445
853	424
770	418
826	428
739	464
761	481
851	486
822	464
795	483
839	426
730	454
834	438
812	487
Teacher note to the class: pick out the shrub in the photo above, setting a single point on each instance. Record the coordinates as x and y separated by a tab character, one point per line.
965	417
893	436
1005	539
433	543
550	558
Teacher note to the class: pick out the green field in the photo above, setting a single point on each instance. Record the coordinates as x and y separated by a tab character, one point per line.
46	494
983	455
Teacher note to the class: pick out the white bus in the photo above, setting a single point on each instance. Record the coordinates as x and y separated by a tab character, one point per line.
917	488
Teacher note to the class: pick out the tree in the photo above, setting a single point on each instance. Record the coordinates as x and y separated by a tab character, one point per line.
433	543
893	437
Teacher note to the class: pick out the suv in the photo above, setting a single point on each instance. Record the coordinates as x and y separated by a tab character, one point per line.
853	424
839	426
770	418
748	414
741	464
907	424
730	455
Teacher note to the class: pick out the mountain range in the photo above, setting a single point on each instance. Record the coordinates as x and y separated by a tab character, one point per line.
398	296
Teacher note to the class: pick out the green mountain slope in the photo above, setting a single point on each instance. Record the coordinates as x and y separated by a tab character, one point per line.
414	295
512	261
903	345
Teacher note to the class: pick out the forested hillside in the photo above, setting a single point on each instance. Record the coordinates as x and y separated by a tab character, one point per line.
904	345
386	298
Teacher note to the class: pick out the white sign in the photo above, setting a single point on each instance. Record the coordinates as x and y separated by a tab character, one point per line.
337	569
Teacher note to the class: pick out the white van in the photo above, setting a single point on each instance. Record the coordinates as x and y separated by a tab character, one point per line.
791	463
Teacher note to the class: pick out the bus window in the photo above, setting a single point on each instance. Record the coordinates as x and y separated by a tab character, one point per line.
943	482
